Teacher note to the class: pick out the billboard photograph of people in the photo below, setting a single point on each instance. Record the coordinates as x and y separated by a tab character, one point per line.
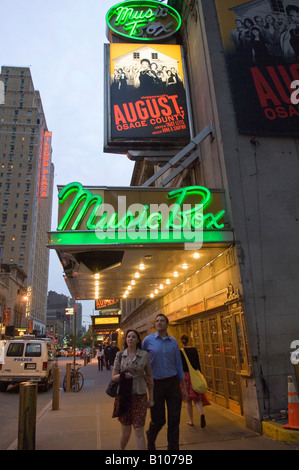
147	94
261	43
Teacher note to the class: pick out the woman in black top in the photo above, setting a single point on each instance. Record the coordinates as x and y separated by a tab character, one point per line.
200	400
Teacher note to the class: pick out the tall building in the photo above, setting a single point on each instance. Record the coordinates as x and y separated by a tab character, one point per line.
26	186
59	322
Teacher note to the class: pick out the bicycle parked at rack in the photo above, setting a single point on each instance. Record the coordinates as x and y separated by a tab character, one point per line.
76	379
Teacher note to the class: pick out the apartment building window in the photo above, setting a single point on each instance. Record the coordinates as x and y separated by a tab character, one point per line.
24	228
4	217
5	207
2	239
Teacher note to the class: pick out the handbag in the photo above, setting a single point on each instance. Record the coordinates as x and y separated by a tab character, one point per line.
112	388
198	382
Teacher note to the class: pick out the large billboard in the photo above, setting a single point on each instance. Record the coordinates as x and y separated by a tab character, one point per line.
261	43
146	97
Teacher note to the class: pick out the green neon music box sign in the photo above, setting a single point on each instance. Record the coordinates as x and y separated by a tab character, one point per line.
145	20
105	216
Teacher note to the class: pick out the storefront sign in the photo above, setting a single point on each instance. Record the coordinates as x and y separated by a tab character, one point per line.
101	304
28	301
6	316
106	320
260	40
147	97
100	216
144	20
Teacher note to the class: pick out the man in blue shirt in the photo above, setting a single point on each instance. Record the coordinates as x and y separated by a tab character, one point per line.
168	373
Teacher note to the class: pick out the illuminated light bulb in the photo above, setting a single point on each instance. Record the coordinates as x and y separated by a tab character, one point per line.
97	283
129	287
124	296
97	276
168	281
133	283
141	267
161	286
136	275
156	291
196	255
151	295
175	274
185	266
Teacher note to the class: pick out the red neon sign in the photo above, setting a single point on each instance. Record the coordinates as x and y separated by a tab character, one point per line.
46	162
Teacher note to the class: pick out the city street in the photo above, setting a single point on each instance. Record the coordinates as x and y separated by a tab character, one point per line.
9	406
84	422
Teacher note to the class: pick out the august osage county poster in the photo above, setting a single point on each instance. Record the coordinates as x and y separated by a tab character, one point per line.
147	95
261	43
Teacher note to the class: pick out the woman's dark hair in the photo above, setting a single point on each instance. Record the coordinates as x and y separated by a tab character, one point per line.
185	339
138	345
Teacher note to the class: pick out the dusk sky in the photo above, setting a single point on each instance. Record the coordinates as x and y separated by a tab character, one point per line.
62	43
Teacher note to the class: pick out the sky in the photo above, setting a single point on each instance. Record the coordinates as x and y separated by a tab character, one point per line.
62	43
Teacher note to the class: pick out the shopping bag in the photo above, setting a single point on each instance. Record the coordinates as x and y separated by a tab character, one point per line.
198	382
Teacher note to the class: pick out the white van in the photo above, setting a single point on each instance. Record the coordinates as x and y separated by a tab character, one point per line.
27	359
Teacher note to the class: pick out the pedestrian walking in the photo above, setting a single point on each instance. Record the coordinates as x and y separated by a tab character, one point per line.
100	357
199	399
113	352
168	374
107	350
132	369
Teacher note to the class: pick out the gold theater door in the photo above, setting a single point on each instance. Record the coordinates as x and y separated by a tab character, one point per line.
214	338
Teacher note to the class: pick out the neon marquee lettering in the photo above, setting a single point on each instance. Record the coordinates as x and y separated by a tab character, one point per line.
144	20
83	207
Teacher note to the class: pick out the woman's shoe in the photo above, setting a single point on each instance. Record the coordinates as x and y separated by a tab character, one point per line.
189	423
202	421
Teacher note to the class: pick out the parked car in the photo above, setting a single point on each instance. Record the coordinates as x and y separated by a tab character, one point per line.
27	359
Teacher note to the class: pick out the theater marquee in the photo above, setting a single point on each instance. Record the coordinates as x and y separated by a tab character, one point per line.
129	216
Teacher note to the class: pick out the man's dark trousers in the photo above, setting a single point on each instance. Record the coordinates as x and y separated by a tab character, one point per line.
166	390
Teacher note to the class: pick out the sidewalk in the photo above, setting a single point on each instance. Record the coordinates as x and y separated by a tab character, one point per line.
84	422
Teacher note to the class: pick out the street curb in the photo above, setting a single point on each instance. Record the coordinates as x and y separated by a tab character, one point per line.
278	432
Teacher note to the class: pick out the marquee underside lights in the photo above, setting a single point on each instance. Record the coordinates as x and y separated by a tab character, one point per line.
145	20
